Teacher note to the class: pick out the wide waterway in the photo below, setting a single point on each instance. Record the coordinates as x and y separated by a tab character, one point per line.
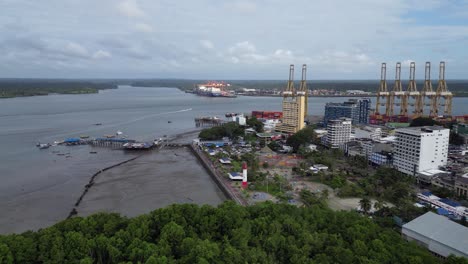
39	187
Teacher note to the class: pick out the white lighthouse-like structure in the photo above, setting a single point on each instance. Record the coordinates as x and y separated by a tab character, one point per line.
244	175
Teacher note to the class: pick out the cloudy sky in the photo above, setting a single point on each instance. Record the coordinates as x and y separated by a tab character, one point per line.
236	39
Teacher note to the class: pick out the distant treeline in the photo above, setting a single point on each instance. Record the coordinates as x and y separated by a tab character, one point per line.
19	88
30	87
458	87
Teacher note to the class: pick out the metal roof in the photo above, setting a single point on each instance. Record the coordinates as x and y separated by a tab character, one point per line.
442	230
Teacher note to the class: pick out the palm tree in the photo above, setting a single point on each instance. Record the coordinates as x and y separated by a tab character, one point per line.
365	204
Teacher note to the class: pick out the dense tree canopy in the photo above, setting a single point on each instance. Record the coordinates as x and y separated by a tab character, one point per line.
423	121
265	233
302	137
231	130
255	124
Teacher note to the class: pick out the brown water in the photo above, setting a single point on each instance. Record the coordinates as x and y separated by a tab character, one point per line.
155	180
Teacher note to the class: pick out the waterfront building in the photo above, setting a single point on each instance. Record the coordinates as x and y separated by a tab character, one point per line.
338	132
419	149
294	104
239	119
356	109
438	234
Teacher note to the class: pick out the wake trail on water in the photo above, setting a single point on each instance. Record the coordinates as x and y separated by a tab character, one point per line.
116	124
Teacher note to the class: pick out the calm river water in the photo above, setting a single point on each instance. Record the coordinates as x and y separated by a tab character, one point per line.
39	187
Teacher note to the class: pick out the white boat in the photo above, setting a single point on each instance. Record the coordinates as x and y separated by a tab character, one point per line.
43	146
119	133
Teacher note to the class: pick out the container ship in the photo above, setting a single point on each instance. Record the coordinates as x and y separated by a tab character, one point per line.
214	89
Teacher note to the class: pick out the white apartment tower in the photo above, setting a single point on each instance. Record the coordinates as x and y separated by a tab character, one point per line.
420	149
338	132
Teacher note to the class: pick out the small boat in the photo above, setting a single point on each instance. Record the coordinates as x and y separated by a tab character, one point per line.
109	136
44	146
98	124
119	133
61	154
84	136
93	152
169	122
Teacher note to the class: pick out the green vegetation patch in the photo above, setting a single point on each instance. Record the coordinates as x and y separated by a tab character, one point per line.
264	233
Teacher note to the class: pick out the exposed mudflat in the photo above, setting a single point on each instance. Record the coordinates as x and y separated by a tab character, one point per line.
152	181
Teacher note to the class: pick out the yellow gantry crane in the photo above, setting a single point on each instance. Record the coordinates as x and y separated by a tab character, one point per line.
290	90
398	96
428	93
303	88
412	99
443	92
383	92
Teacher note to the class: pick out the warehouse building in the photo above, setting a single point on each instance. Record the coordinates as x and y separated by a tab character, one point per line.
438	234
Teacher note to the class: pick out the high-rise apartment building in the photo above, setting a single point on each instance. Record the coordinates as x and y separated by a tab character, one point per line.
294	104
420	149
338	132
356	109
293	117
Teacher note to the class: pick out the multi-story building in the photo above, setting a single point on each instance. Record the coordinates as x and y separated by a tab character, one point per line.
293	114
418	149
338	132
374	133
461	185
381	158
356	109
294	104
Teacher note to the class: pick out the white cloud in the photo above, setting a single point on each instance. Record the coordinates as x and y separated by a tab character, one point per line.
406	63
130	8
143	27
101	54
343	60
242	47
207	44
76	49
242	6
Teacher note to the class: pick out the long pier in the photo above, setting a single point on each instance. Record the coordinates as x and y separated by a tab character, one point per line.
110	142
208	122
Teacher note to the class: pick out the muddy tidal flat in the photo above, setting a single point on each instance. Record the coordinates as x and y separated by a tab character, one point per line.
155	180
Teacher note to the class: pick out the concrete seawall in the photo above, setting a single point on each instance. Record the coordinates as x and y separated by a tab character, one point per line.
217	177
